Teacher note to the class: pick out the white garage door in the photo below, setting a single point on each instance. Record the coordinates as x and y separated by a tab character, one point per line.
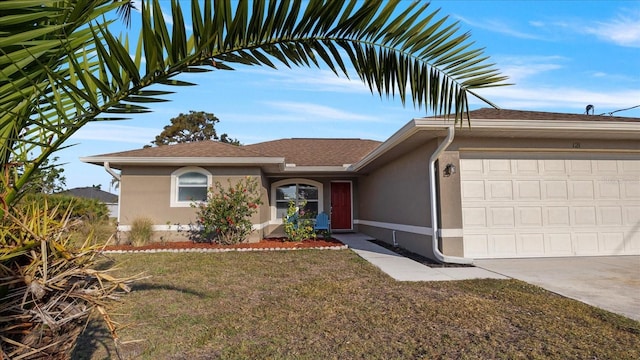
546	207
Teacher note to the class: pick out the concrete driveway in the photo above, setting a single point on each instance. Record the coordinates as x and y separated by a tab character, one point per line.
608	282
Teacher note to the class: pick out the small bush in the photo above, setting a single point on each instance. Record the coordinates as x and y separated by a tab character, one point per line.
226	215
298	224
141	231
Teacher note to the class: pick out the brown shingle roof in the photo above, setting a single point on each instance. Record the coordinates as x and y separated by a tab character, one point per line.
302	152
205	148
505	114
317	152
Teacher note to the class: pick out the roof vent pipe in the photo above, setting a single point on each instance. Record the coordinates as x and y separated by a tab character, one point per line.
434	202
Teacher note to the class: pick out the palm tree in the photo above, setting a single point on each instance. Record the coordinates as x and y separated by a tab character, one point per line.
61	67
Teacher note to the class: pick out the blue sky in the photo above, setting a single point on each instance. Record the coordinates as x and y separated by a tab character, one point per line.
561	56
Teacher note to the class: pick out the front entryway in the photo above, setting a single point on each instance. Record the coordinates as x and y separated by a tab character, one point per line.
341	205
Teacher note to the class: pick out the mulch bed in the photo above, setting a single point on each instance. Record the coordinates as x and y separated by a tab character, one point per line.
416	257
265	244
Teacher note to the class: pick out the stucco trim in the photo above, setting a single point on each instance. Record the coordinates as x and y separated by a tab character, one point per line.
183	227
450	232
422	230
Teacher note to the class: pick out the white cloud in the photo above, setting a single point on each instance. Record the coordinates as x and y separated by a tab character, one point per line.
562	99
302	112
116	133
623	30
499	27
309	79
522	67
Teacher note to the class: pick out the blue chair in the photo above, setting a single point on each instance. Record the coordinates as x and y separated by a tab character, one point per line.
322	222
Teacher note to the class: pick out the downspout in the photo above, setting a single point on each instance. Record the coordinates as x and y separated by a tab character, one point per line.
117	177
110	171
434	203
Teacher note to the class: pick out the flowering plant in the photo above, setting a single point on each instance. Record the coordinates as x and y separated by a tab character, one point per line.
298	224
225	217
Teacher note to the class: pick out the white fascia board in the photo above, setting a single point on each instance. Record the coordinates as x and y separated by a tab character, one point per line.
542	125
183	160
533	126
316	169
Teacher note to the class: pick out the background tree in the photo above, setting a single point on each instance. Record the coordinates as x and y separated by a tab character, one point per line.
48	179
191	127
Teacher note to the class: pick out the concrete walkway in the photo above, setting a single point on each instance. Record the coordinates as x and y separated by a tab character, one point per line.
405	269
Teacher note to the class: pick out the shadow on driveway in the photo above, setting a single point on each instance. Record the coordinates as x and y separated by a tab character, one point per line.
608	282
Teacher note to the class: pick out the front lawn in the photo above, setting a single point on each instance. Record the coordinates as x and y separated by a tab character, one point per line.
331	304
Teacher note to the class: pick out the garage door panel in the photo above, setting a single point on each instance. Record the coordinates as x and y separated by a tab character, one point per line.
631	189
582	190
523	166
473	190
527	190
504	245
531	245
608	189
582	167
474	217
502	217
583	215
529	216
550	167
630	167
499	166
632	240
478	244
586	243
610	215
549	207
557	216
499	190
559	244
555	190
612	243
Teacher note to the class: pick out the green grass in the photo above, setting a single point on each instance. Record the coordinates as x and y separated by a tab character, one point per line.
334	305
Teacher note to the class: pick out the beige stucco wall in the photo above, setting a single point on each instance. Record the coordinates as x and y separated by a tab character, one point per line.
398	193
146	192
450	200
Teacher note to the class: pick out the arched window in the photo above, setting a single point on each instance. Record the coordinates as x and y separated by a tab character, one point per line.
189	185
298	191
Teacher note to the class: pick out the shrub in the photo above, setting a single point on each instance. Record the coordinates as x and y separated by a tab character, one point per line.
298	224
226	215
90	209
141	231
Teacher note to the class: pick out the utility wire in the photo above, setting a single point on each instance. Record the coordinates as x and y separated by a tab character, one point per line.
613	112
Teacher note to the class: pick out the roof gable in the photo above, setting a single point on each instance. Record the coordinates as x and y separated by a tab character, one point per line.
317	152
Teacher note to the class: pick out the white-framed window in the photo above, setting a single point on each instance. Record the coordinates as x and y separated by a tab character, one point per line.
298	191
189	184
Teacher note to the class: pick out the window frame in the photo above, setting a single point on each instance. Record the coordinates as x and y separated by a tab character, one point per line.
297	182
174	202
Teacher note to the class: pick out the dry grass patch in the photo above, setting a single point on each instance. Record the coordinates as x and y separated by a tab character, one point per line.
333	304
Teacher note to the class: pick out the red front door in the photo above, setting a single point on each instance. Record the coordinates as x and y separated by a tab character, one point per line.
341	206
